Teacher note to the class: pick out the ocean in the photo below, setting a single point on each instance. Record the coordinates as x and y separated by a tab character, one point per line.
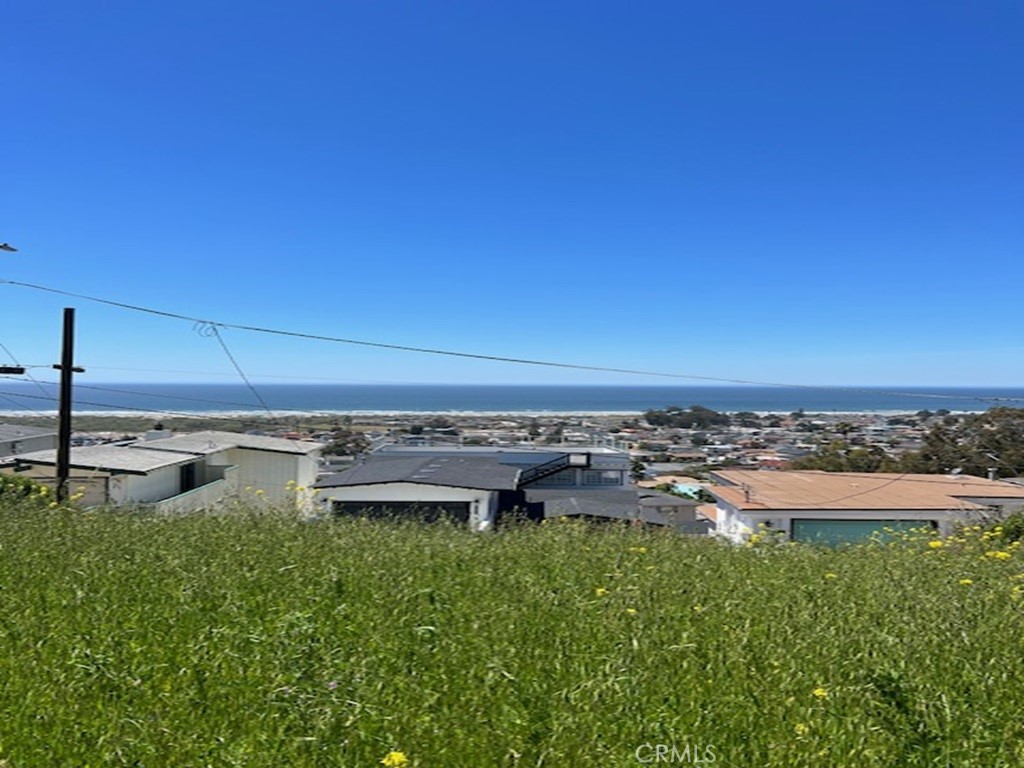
22	397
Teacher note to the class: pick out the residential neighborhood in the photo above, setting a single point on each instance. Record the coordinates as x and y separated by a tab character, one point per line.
732	479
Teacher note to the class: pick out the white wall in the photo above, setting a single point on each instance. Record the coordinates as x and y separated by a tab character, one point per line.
157	485
271	472
738	525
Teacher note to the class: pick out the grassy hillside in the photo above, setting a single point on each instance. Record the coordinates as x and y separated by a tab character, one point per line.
255	640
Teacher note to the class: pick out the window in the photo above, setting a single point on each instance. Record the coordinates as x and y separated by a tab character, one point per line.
427	511
602	477
561	478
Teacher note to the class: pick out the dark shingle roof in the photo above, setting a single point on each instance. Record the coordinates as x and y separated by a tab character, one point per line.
622	504
452	471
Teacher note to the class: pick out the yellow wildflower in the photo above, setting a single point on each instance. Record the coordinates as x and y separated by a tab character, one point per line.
966	582
601	592
820	694
801	729
831	575
394	759
631	611
936	544
998	555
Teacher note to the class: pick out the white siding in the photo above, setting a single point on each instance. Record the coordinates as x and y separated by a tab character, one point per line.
157	485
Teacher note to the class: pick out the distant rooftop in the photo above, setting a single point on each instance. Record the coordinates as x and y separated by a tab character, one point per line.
19	432
109	458
754	490
211	441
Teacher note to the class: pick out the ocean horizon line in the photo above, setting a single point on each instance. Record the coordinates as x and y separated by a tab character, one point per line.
679	385
222	397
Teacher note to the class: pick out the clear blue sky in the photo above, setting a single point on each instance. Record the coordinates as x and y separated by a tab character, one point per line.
801	192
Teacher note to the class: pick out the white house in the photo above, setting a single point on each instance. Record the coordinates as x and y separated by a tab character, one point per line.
275	466
183	473
835	507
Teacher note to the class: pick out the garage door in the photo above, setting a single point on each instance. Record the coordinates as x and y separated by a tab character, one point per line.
833	532
418	510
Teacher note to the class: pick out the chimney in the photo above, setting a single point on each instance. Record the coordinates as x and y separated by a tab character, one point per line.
992	472
158	432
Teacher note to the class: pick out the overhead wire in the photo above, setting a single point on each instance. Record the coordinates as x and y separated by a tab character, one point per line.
163	411
28	376
162	395
210	329
471	355
18	363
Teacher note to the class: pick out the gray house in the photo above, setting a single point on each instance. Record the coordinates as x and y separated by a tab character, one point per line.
480	485
15	439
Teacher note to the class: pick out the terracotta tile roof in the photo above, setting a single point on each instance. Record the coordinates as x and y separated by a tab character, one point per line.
708	512
752	490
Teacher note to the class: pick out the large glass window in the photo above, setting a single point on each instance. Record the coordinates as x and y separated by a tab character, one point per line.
602	477
833	532
562	478
428	511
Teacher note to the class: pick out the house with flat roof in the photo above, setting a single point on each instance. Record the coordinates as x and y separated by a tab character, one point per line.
478	485
15	438
181	473
837	507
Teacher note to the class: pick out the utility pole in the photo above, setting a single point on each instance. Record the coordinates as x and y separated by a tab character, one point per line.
67	369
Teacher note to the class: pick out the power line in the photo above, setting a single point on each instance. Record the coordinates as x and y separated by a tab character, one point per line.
209	329
471	355
289	377
27	375
155	394
382	345
159	411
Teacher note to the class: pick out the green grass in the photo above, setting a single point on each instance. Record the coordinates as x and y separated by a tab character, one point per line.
257	640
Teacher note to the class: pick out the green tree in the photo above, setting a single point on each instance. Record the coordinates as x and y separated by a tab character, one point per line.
694	417
974	444
747	419
637	470
840	456
347	443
